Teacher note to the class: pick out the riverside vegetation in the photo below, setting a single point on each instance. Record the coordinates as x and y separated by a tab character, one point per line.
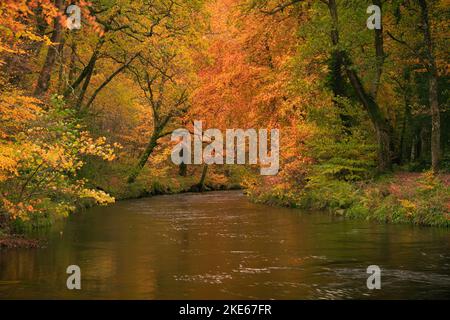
86	115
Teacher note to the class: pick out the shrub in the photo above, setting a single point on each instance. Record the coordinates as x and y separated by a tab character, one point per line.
39	169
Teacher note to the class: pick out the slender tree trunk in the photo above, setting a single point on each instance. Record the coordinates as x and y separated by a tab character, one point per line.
84	88
46	71
433	88
404	153
182	171
108	80
144	157
201	184
414	148
72	65
425	143
61	66
379	55
435	125
405	136
87	71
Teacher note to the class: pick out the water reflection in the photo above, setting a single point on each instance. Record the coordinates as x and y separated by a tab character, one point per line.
219	245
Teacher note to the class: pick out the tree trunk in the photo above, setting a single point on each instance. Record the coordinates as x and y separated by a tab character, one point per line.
86	71
435	125
337	85
108	80
376	116
144	157
46	71
414	148
405	136
425	143
72	65
84	87
379	55
182	171
336	78
201	184
433	88
61	66
404	153
382	128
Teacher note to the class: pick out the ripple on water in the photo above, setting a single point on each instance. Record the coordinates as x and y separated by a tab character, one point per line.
251	270
391	277
204	278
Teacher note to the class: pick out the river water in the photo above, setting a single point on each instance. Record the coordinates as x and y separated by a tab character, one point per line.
219	245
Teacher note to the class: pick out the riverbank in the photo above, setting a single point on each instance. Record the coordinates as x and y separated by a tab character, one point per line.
110	181
21	239
414	198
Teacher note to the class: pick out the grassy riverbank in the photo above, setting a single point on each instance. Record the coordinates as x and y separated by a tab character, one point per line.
420	199
112	178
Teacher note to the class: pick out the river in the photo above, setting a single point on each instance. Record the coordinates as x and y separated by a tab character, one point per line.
219	245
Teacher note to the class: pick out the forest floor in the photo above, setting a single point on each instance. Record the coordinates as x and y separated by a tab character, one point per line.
405	197
404	184
409	180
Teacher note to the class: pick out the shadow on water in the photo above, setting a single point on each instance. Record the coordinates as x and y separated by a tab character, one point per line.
220	246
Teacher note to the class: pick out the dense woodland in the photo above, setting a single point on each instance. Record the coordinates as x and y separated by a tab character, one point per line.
86	114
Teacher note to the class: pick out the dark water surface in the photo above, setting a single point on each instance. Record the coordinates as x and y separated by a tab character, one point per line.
220	246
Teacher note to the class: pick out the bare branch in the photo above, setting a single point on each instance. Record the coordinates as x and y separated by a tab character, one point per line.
281	7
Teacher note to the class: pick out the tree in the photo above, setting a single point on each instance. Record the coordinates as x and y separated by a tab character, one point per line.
368	100
340	56
424	51
166	98
433	86
122	30
43	81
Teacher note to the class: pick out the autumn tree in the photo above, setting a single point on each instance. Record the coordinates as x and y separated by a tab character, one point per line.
422	48
165	95
42	144
341	55
56	37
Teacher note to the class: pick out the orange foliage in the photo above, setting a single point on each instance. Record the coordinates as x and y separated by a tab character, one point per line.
244	82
